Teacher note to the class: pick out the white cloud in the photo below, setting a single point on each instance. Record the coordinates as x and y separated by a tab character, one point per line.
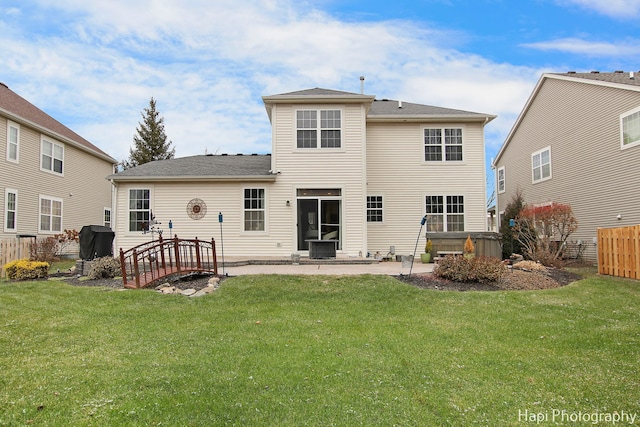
626	9
588	48
208	63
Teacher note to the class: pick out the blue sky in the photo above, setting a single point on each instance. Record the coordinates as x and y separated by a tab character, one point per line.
94	65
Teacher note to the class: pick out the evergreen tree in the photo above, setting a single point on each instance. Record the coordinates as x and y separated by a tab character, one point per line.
510	244
150	141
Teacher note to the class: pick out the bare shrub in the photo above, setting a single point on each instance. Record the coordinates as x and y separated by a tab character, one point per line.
477	269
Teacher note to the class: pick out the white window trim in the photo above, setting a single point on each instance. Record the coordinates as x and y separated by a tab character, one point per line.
128	219
442	146
503	180
6	210
372	209
622	116
542	179
53	199
10	125
104	211
265	210
43	139
445	227
319	129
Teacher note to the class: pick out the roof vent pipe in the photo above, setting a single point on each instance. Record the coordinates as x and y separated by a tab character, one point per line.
361	85
631	75
399	104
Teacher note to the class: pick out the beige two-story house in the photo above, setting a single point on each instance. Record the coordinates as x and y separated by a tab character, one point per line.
51	178
344	167
577	142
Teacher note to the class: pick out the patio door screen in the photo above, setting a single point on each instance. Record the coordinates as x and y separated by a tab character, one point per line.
319	216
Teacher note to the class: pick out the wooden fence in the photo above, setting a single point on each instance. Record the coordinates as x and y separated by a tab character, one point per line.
619	251
13	249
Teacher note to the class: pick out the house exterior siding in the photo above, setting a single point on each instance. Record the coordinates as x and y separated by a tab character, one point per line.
396	170
340	168
580	122
380	153
82	186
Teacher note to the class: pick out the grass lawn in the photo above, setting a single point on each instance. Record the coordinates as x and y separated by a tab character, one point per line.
320	351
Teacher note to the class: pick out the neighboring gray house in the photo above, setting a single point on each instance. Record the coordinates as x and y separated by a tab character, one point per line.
51	178
343	167
577	141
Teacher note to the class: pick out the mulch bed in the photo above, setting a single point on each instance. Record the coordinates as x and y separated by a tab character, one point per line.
513	280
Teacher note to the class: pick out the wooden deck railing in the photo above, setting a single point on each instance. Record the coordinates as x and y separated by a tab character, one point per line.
152	261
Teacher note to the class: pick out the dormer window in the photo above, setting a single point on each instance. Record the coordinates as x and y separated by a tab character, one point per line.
314	125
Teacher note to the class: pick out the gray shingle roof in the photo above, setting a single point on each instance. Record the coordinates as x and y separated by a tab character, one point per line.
21	110
620	77
389	107
381	109
202	167
318	92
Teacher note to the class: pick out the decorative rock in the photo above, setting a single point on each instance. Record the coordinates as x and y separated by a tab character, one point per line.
205	291
188	292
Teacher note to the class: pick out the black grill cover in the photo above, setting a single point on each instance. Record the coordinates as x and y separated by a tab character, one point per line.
96	241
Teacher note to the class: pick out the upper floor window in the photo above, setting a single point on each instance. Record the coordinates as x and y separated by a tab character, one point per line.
445	213
254	209
443	144
52	156
13	141
314	125
501	180
374	208
10	210
139	209
50	214
630	126
541	165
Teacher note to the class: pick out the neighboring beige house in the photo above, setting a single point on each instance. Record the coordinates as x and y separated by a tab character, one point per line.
344	167
577	141
51	178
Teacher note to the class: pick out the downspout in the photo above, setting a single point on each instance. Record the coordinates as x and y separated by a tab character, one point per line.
114	216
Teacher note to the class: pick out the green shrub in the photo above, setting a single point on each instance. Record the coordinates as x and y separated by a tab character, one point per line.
104	268
23	269
477	269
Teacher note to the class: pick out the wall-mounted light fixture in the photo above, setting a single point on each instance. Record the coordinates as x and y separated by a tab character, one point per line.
619	216
288	203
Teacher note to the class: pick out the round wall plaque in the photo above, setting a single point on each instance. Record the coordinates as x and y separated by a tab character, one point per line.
196	208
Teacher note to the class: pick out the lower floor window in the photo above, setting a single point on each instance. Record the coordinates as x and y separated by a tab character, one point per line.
50	214
107	217
374	208
254	209
11	207
445	213
139	209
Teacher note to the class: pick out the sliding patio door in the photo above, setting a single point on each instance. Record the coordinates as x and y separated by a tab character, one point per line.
319	216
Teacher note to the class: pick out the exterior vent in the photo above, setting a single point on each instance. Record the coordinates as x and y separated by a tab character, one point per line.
595	72
571	72
631	76
618	72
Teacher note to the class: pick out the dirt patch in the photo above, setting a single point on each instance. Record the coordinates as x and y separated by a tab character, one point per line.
512	280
